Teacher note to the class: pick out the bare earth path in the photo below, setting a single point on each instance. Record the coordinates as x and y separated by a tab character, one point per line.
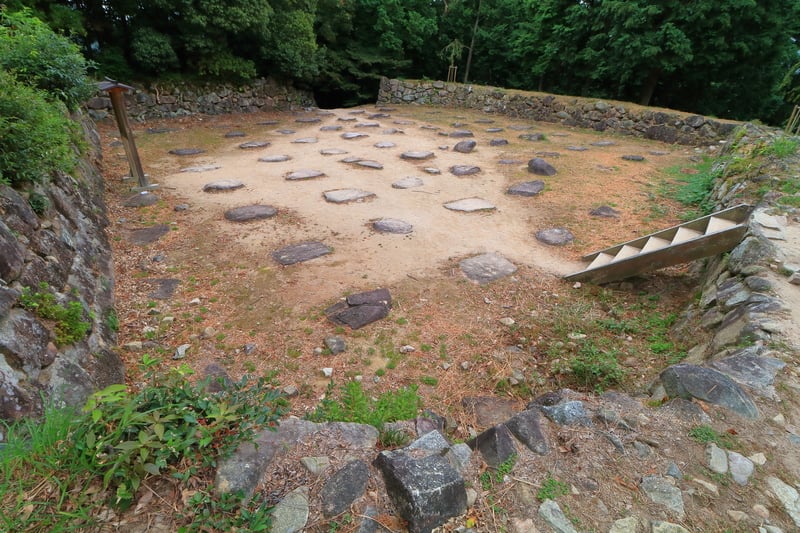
246	298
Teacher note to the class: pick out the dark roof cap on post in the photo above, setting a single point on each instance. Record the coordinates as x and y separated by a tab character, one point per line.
108	84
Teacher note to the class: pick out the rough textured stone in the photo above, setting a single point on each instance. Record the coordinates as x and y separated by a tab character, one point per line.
663	492
222	186
465	147
550	512
496	445
250	212
567	414
361	309
485	268
408	182
659	526
291	513
605	212
464	170
540	167
392	225
741	467
12	257
187	151
368	163
278	158
526	188
254	145
417	155
141	199
335	344
305	174
527	428
345	196
716	459
470	205
751	370
426	492
344	487
298	253
788	496
149	235
555	236
625	525
691	381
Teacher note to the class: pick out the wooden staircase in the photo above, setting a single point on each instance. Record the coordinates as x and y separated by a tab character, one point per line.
702	237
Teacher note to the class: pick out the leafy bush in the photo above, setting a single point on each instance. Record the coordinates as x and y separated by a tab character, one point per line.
130	437
35	135
58	474
36	56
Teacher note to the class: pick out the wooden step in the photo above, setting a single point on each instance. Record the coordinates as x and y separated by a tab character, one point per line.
685	234
655	243
600	260
716	224
627	251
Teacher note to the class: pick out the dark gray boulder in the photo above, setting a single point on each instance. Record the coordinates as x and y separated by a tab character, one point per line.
12	258
540	167
527	428
555	236
361	309
567	414
187	151
692	381
526	188
426	491
496	445
464	170
344	487
465	147
149	235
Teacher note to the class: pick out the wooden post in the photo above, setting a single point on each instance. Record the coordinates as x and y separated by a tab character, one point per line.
117	92
451	73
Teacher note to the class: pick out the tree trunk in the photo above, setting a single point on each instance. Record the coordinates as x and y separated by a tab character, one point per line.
472	42
649	86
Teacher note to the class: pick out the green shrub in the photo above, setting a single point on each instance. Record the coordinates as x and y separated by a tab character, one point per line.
35	135
595	368
32	53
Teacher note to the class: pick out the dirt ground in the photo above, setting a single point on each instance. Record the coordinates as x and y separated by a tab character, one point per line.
236	307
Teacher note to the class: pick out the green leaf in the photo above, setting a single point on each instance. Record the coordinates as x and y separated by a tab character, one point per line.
158	429
150	468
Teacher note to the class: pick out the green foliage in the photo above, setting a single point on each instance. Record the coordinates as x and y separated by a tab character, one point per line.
169	427
354	405
705	434
130	437
34	55
596	368
551	489
694	189
152	51
70	326
38	202
35	134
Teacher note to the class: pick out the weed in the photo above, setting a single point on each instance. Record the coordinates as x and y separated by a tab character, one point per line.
596	368
429	380
70	327
38	202
551	489
112	320
425	348
705	434
354	405
401	321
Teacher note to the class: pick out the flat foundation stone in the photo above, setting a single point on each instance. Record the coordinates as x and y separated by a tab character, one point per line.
344	196
470	205
332	151
368	163
416	155
349	136
526	188
253	145
305	140
148	235
305	174
485	268
201	168
142	199
187	151
250	212
280	158
408	182
464	170
222	186
298	253
392	225
555	236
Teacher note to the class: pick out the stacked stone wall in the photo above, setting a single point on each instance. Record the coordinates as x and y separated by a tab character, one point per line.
168	100
601	115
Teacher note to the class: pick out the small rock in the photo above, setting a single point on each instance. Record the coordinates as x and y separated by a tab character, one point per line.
710	487
741	467
291	513
758	458
667	527
716	458
507	321
540	167
551	513
674	471
335	345
660	490
327	372
737	516
316	465
407	349
625	525
555	236
180	351
761	511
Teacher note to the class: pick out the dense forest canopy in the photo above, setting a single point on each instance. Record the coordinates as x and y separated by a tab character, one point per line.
727	58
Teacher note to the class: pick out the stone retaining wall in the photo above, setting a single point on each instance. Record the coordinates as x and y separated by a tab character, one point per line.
600	115
64	246
166	100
